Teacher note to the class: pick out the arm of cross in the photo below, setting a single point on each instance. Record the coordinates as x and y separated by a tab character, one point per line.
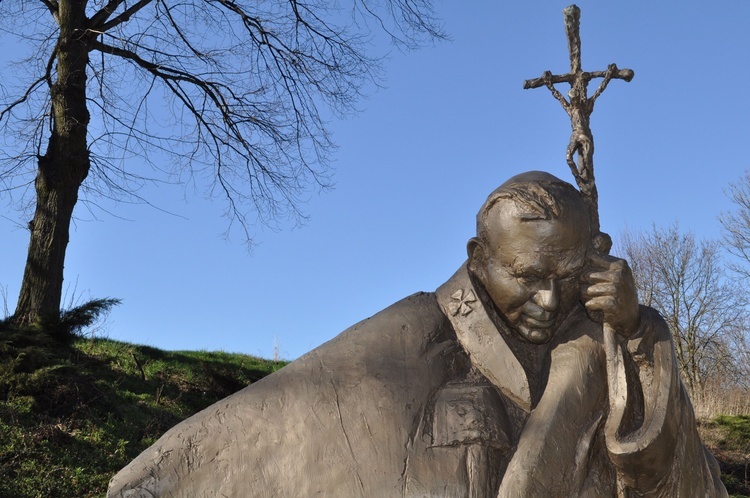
611	73
618	74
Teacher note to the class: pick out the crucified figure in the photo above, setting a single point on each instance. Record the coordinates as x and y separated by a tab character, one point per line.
579	108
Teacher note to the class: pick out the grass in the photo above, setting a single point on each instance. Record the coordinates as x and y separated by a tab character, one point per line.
72	415
728	438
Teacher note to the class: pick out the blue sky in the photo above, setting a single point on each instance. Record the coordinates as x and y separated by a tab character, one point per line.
414	166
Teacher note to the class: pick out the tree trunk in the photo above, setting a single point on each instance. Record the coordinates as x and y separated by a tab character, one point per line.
61	171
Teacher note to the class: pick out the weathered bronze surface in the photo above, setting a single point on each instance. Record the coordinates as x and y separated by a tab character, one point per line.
495	385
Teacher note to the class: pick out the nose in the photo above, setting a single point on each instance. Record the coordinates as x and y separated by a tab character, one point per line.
548	296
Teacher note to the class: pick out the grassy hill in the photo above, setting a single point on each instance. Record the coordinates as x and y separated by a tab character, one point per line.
72	414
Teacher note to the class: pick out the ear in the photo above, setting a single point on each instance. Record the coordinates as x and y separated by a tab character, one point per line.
476	252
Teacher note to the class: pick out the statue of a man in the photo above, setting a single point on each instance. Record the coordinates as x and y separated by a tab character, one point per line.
495	385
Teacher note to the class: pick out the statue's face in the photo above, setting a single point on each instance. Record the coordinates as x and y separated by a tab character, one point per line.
532	268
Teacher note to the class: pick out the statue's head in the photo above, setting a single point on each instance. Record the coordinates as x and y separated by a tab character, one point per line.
533	235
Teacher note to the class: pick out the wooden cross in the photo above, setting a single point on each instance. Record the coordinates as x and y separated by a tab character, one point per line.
579	108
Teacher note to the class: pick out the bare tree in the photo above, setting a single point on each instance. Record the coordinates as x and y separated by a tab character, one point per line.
685	281
246	83
736	225
736	240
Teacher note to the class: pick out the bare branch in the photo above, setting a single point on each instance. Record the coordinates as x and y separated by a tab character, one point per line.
103	14
736	225
123	17
5	112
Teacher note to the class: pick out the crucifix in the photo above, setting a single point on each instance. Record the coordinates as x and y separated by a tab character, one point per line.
579	108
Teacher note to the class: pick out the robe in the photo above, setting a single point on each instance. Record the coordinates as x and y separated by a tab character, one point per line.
431	398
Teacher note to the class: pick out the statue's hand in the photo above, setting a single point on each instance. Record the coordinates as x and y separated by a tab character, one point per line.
608	291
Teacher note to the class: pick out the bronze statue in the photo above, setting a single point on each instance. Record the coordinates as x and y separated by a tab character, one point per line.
495	385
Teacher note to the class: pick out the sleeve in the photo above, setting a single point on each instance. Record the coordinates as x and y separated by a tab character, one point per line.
651	434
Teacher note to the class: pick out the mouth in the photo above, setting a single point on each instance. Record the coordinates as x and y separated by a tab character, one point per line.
542	322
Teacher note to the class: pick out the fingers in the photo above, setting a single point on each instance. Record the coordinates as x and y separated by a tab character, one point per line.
606	276
602	303
601	268
605	288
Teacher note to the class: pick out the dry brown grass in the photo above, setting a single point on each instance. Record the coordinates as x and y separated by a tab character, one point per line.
718	400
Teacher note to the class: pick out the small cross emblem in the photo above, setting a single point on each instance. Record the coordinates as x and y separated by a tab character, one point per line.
462	302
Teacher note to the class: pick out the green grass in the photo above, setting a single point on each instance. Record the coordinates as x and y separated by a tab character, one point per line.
72	415
728	438
736	429
736	432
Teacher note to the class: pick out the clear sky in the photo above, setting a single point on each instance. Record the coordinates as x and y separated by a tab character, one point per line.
414	166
